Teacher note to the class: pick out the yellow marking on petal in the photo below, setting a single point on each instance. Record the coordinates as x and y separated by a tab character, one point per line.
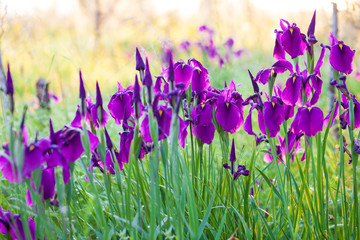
182	65
121	96
227	104
160	112
353	105
31	147
273	104
291	30
309	108
294	78
202	105
340	46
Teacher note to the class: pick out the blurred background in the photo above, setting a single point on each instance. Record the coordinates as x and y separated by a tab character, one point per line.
53	39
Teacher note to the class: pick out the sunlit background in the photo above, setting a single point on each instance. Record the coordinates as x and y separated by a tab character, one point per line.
55	38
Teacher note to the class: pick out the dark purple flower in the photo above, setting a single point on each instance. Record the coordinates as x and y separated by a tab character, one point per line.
33	158
148	82
10	89
263	76
229	43
356	106
200	76
232	156
241	171
136	98
282	65
279	52
184	46
311	30
292	40
119	106
140	66
82	92
356	146
272	117
229	111
204	127
47	186
98	113
183	73
291	94
12	225
308	120
341	56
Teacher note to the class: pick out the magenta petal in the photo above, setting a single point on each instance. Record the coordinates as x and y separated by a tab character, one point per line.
274	117
120	106
279	52
291	93
293	42
309	121
205	132
183	74
341	58
182	132
356	115
33	159
125	143
229	116
47	186
95	117
145	130
248	124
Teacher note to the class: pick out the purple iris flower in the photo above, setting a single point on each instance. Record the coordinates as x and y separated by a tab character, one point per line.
33	158
76	122
311	30
241	168
293	141
292	40
183	73
200	76
120	105
202	117
140	66
47	186
163	115
98	113
229	111
65	146
274	115
341	56
12	225
308	120
10	89
356	106
279	52
184	46
291	93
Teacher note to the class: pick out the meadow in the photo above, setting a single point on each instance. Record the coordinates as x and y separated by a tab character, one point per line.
231	145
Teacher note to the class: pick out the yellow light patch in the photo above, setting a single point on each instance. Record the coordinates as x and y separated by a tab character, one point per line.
227	104
160	112
340	46
273	104
291	30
